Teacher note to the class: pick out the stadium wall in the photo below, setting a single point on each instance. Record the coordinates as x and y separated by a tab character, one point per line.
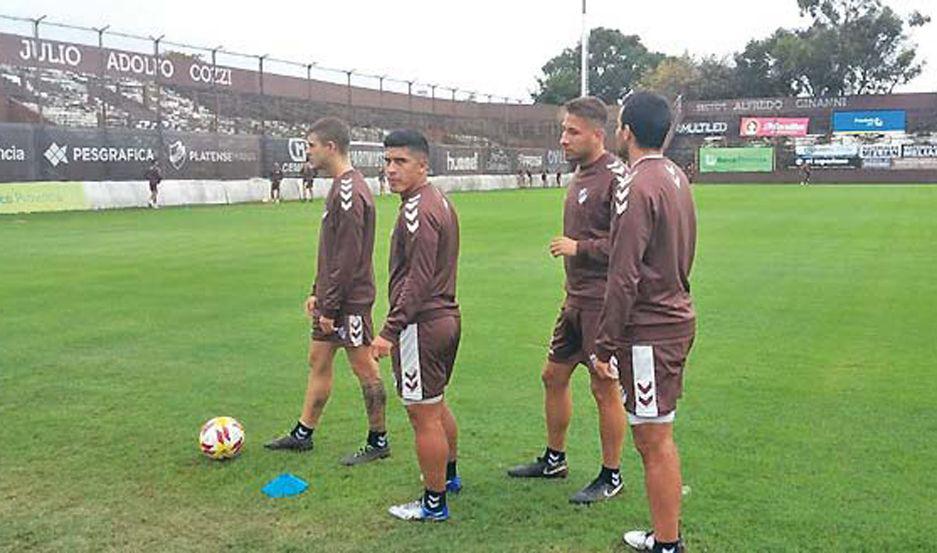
34	197
46	153
826	176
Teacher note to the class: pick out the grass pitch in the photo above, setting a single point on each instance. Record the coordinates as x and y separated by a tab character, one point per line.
808	421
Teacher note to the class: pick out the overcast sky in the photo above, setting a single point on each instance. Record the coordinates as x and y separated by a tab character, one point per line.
494	47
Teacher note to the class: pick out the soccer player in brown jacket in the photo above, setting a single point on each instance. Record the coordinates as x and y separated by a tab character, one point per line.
584	248
154	176
309	174
648	322
342	295
276	177
423	325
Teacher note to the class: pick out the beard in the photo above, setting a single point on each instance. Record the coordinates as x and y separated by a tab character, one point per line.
622	151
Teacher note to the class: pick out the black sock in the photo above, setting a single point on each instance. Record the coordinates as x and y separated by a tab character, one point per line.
301	431
450	470
377	439
668	547
434	501
611	476
554	457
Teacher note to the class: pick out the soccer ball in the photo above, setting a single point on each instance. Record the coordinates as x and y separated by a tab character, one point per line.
221	438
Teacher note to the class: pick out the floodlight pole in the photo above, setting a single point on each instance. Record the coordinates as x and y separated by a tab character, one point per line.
380	85
584	60
36	23
214	86
102	122
159	89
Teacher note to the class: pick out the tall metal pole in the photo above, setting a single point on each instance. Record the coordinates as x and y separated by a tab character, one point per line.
263	106
309	110
214	87
38	81
36	23
410	102
380	93
102	122
350	111
584	61
159	89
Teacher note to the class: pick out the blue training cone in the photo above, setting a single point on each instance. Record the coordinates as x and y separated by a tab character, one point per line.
285	485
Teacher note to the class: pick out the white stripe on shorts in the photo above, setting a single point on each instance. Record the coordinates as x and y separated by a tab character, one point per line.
429	401
411	384
355	330
665	419
645	383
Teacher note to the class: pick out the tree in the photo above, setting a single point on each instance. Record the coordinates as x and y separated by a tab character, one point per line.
851	47
673	77
709	78
616	64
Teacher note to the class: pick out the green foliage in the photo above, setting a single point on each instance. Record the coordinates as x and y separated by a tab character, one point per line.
851	47
616	64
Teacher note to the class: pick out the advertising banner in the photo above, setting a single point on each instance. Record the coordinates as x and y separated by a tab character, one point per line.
367	157
881	151
208	156
876	163
919	150
530	161
774	126
706	128
42	196
916	163
498	161
289	154
94	154
828	156
868	121
736	160
173	67
17	155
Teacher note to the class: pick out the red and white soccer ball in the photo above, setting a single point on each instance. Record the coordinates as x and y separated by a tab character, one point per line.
221	438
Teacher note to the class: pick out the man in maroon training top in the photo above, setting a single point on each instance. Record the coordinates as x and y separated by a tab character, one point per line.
584	248
423	325
342	295
648	323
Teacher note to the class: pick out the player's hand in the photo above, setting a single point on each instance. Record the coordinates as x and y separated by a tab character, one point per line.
310	306
326	324
562	245
381	347
604	370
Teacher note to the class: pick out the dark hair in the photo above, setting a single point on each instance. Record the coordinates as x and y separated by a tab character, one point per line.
588	107
332	129
648	115
407	138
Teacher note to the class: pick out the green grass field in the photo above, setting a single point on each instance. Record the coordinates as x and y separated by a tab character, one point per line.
808	424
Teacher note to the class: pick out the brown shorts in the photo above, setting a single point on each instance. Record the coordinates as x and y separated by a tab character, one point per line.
351	331
651	375
574	336
424	358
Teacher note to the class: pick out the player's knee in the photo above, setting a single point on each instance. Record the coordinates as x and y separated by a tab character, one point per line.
367	372
604	390
653	446
424	417
554	379
319	366
417	416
